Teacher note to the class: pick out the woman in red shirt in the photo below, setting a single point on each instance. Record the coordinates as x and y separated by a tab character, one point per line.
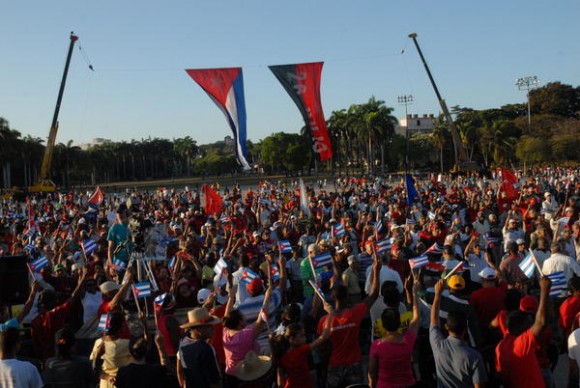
290	352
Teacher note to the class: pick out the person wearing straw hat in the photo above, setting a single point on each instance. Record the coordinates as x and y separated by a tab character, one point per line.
196	362
254	371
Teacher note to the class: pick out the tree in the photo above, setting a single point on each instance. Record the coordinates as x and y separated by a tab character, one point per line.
438	137
557	99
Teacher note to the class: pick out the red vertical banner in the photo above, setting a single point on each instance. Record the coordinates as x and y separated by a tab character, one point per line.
302	82
213	201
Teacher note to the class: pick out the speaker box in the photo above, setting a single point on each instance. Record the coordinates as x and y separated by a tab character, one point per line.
14	286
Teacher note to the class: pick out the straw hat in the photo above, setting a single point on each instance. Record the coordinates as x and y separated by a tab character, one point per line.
199	316
252	367
109	286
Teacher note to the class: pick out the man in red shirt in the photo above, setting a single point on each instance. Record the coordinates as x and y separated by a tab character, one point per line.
50	319
487	302
515	355
570	307
345	360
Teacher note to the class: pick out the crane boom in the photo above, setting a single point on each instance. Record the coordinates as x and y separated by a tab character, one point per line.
459	151
45	184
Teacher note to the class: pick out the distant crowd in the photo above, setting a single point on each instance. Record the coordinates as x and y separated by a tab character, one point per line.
447	281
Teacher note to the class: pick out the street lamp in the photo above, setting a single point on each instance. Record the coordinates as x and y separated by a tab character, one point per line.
406	100
527	83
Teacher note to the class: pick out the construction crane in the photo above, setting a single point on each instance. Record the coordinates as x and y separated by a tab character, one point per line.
45	184
462	161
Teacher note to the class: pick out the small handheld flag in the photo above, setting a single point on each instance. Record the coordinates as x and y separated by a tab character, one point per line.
285	246
456	269
558	284
339	230
274	272
158	301
383	245
119	265
322	260
418	262
171	265
142	290
104	322
527	265
317	290
220	266
89	246
38	264
435	249
248	276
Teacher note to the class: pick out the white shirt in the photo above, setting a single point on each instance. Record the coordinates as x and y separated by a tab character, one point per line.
560	262
385	274
19	374
91	304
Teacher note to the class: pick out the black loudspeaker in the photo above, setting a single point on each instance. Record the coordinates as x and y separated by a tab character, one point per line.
14	286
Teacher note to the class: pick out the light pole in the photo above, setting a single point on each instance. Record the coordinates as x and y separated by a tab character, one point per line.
527	83
406	100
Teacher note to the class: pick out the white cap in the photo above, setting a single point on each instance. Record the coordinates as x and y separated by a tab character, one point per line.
487	273
202	295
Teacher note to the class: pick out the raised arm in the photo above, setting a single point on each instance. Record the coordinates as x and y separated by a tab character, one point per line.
436	302
540	321
118	298
28	305
414	325
372	297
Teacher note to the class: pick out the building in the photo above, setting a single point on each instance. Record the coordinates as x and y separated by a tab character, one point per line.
94	142
416	123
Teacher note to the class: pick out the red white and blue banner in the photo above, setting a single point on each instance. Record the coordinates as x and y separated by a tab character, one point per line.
226	88
302	82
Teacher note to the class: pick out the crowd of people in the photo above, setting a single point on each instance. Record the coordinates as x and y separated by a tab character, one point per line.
439	281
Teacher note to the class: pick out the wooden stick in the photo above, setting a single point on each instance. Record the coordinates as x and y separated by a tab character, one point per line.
452	272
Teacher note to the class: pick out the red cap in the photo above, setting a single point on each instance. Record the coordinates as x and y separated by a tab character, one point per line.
255	287
529	304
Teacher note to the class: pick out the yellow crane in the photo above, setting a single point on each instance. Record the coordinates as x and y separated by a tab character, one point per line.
45	184
462	162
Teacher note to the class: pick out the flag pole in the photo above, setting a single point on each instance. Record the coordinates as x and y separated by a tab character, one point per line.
536	262
136	299
452	272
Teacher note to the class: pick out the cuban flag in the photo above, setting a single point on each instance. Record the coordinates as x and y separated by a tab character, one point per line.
224	218
89	246
274	272
104	322
435	266
220	266
410	221
379	226
38	264
96	199
30	248
419	262
527	265
158	301
248	276
558	284
339	230
285	246
171	265
142	290
383	245
226	88
435	249
322	260
317	290
119	265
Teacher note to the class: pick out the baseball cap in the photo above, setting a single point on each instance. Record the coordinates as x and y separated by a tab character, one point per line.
456	282
529	304
487	273
255	287
202	295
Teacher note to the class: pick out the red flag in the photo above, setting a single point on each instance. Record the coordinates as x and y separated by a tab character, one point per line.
213	201
302	82
509	184
97	197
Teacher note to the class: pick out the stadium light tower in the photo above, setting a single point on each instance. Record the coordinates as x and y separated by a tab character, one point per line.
528	83
406	100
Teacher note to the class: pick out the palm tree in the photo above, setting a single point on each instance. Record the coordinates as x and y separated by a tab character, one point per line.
438	137
32	151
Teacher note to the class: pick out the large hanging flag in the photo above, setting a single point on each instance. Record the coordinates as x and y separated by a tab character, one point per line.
302	82
304	206
410	189
226	88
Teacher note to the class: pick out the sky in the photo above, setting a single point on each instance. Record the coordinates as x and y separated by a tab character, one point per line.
139	50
